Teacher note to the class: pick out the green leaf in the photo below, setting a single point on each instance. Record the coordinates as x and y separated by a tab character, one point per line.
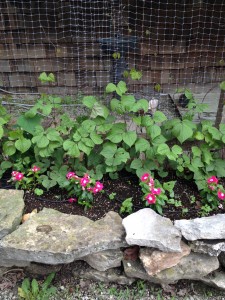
142	145
121	156
127	102
9	148
215	133
220	167
84	148
129	138
199	136
26	286
110	88
154	131
121	88
177	150
141	104
35	288
99	110
159	117
42	142
48	281
76	136
182	131
115	104
29	124
71	148
88	125
108	150
23	145
6	165
43	77
163	149
114	137
96	138
1	131
222	85
196	151
89	101
136	164
53	135
146	121
38	192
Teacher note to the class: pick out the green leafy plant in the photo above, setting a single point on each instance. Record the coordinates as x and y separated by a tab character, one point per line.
155	193
34	291
112	196
126	206
82	188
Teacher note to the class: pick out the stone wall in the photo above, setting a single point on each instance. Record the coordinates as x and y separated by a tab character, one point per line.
143	245
64	40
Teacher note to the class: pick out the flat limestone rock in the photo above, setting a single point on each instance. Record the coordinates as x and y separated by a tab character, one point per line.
13	263
146	228
216	280
11	210
209	228
194	267
155	261
51	237
111	275
105	260
210	247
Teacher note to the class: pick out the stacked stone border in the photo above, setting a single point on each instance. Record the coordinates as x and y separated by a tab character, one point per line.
143	245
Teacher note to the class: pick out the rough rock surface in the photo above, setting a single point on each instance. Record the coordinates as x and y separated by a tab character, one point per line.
104	260
51	237
155	261
111	275
11	210
211	247
222	258
13	263
41	269
147	228
194	267
209	228
216	279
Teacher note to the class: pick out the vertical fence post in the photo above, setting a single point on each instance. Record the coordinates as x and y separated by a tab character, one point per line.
219	114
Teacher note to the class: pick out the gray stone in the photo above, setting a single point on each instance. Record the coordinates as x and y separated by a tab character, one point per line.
209	228
216	280
147	228
111	275
69	237
222	258
210	247
3	271
155	261
11	210
194	267
104	260
13	263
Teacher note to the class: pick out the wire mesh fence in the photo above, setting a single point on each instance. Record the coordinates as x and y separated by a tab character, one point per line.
87	44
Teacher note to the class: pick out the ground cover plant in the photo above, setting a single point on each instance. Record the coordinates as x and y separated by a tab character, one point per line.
44	145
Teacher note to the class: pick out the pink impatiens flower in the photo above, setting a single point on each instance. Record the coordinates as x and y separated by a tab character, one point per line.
70	175
99	186
212	179
144	177
156	191
151	199
221	195
35	169
14	173
71	200
84	181
19	176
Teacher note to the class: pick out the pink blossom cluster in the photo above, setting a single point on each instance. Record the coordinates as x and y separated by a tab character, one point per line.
153	191
212	185
17	176
85	184
35	169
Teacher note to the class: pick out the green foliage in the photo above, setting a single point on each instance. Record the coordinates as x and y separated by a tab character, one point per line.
34	291
126	206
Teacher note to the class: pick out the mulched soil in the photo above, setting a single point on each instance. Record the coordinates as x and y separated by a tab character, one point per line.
122	188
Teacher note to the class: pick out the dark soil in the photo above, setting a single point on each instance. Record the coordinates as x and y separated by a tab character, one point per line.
123	188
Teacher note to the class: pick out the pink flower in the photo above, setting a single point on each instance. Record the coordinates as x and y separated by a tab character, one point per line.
151	182
69	175
99	186
212	179
18	176
71	200
35	169
221	195
84	181
156	191
212	187
151	199
144	177
14	173
95	190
